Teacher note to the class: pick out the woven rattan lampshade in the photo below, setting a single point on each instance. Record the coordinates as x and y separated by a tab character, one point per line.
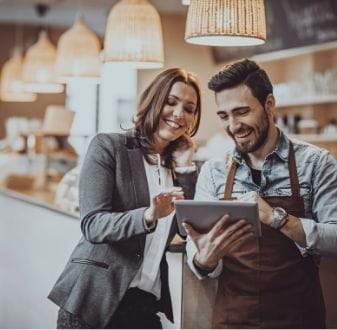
39	67
226	22
134	35
78	53
11	84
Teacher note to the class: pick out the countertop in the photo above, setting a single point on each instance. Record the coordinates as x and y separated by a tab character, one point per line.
45	198
40	197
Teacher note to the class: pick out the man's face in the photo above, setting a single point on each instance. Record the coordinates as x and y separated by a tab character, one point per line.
243	117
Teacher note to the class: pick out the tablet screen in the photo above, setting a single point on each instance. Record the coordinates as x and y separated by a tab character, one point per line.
202	215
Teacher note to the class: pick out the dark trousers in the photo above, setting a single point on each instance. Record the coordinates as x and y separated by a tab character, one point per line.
137	310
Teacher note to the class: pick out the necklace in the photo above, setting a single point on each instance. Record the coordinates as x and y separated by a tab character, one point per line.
160	176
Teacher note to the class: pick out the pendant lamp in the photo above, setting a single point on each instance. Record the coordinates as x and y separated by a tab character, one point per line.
39	67
133	35
78	53
226	22
11	84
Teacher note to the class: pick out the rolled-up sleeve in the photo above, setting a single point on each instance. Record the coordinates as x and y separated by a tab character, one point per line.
191	250
321	234
205	189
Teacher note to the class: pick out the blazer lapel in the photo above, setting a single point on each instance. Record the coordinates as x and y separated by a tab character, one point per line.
139	184
139	181
138	178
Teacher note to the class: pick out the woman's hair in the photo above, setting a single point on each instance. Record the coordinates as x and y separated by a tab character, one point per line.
245	72
151	104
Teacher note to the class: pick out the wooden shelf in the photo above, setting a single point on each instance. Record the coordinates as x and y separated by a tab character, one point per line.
301	101
312	138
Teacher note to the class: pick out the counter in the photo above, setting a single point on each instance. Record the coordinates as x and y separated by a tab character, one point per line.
42	198
36	240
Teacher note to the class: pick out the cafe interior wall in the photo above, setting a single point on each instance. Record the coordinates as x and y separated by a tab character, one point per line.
178	53
300	68
25	109
291	65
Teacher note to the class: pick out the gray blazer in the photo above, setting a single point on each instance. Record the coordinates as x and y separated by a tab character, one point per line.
113	197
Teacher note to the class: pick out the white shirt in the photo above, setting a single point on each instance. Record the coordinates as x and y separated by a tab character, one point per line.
148	275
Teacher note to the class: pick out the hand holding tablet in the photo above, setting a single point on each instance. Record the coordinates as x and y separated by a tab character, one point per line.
202	215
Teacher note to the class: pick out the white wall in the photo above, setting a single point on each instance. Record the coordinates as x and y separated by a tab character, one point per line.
118	84
35	244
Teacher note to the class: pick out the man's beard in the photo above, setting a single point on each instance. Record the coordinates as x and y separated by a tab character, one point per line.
261	132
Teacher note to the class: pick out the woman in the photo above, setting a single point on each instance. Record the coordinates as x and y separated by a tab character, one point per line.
117	275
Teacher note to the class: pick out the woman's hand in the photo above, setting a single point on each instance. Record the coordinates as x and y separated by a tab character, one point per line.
183	155
162	205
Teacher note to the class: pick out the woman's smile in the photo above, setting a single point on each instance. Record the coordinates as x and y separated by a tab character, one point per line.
173	124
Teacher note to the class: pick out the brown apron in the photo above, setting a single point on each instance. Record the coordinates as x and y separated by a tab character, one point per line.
266	283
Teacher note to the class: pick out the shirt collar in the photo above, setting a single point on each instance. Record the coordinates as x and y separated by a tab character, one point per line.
281	149
282	146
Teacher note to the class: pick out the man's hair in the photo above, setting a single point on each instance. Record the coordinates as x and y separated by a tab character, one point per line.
245	72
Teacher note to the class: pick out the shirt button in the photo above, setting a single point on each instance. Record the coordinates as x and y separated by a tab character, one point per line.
138	255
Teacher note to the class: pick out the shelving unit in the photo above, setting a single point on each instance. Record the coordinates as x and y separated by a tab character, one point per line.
328	142
299	71
304	101
315	138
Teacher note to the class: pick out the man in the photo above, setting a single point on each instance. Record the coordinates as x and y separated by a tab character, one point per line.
271	281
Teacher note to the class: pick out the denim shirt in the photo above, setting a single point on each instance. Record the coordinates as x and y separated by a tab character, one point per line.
317	174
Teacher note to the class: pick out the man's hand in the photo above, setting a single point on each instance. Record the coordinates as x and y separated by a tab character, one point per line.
217	243
265	210
293	228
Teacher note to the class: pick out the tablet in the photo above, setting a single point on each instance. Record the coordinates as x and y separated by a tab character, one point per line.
202	215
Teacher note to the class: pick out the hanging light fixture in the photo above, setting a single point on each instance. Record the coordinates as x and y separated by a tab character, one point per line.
39	67
11	84
134	35
78	53
226	22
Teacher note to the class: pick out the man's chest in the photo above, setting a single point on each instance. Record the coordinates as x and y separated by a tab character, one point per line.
275	181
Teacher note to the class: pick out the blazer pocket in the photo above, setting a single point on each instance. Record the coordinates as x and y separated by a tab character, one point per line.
89	262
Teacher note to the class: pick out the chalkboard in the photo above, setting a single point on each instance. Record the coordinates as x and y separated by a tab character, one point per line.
290	24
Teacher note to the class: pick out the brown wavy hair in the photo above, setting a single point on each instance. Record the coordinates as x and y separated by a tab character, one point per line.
150	107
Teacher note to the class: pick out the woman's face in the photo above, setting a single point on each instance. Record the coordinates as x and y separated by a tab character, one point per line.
177	115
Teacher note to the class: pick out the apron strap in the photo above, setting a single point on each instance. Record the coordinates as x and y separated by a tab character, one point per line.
230	180
295	186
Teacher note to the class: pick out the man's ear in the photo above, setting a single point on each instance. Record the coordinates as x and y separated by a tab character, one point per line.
270	105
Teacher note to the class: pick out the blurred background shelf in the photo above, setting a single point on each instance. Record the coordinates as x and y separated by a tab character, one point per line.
328	142
313	138
304	101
